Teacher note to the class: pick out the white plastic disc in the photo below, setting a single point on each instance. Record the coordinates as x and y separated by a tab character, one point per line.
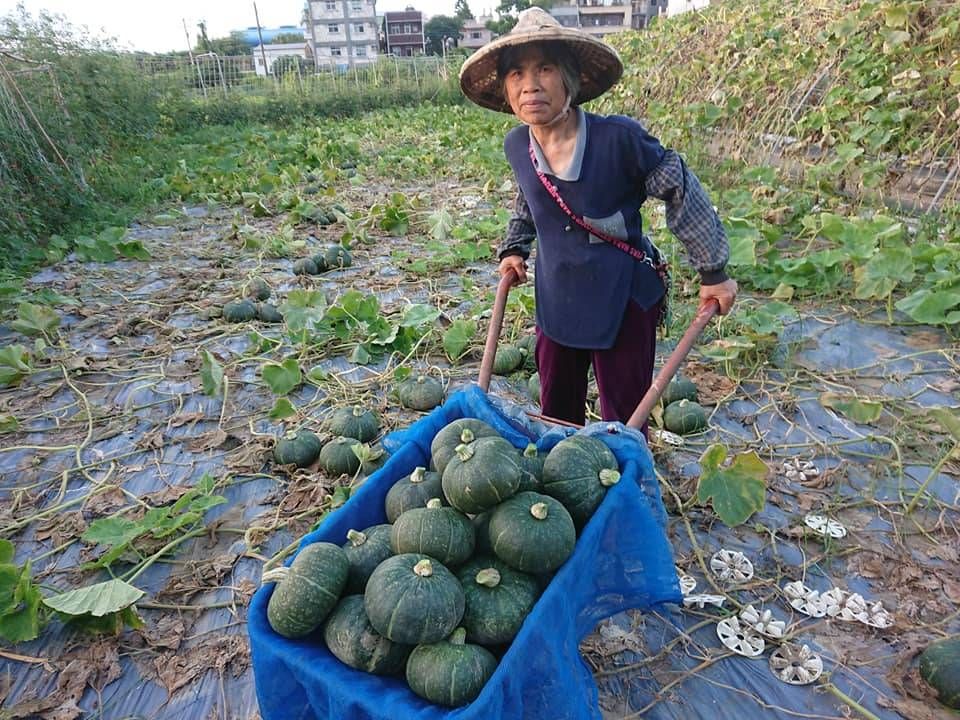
763	622
666	437
796	665
828	527
687	583
740	638
877	616
703	599
805	600
731	566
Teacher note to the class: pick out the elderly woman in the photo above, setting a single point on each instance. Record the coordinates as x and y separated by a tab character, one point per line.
600	284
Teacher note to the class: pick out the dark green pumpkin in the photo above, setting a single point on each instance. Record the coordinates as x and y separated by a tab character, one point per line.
337	256
297	447
320	260
365	550
531	469
307	590
356	422
256	289
450	672
940	668
533	387
268	313
532	533
337	457
680	388
528	344
497	598
577	472
459	432
305	266
439	531
413	599
373	459
239	311
420	393
412	491
684	417
507	360
352	640
481	474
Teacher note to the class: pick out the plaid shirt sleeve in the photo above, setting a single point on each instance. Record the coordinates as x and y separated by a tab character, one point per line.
521	231
691	217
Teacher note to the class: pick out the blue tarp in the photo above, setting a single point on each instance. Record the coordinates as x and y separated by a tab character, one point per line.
622	560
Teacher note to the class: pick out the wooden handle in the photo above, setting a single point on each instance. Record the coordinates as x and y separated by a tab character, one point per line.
493	331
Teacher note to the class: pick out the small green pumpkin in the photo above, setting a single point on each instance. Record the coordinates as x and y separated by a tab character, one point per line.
354	642
680	388
337	457
684	417
481	474
532	533
365	550
420	393
439	531
533	387
577	472
459	432
940	668
268	313
239	311
450	672
337	256
531	469
320	260
412	491
497	599
508	359
372	458
307	590
413	599
298	447
256	289
528	344
356	422
305	266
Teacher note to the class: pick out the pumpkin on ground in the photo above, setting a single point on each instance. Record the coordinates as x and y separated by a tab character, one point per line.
684	417
365	550
352	640
337	457
356	422
533	387
532	533
268	313
372	459
577	472
450	672
305	266
320	260
497	598
442	532
680	388
412	491
481	474
256	289
940	668
508	359
528	345
413	599
531	469
239	311
459	432
337	256
307	590
420	393
297	447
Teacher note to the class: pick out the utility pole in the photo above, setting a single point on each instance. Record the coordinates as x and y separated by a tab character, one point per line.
193	61
263	53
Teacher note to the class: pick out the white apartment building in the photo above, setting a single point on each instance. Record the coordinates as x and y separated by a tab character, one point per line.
272	53
675	7
343	32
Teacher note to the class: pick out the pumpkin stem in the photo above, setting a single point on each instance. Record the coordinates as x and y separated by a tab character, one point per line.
421	379
418	474
358	411
530	451
609	477
467	436
434	503
539	510
424	568
488	577
459	637
356	537
274	576
464	452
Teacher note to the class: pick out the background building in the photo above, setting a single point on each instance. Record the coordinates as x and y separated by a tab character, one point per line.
343	32
272	53
403	33
475	33
252	38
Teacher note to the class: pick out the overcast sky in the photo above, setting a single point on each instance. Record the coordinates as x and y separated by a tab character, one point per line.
157	25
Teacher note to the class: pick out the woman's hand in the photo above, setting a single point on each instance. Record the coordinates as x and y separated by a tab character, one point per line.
518	266
725	293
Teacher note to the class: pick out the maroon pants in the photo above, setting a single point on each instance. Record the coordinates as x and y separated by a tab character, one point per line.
624	372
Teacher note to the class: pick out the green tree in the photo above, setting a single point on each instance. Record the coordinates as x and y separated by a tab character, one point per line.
509	9
233	45
461	11
438	28
289	37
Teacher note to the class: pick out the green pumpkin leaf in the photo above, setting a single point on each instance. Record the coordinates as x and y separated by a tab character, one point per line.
14	365
6	552
948	419
211	374
282	409
19	605
862	411
317	375
95	249
417	315
35	320
360	355
112	531
894	39
738	490
110	624
97	600
728	348
282	377
439	224
932	307
457	338
304	310
8	423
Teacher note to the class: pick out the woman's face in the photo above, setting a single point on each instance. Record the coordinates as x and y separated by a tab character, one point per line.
534	87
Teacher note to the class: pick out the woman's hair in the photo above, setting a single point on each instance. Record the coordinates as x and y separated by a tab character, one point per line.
554	51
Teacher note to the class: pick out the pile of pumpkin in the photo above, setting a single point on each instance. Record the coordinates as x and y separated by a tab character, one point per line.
333	257
350	427
253	305
439	591
682	414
